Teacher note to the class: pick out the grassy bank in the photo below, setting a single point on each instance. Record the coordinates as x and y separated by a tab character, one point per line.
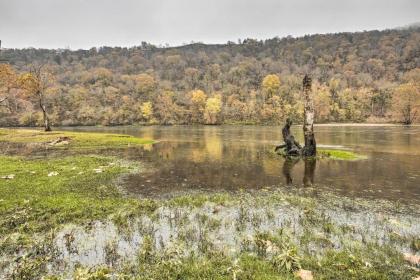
70	140
39	196
44	194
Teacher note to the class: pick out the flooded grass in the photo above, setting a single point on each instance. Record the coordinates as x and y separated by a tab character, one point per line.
67	218
340	154
333	154
271	234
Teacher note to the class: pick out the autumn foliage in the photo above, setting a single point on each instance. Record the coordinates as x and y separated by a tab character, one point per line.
357	77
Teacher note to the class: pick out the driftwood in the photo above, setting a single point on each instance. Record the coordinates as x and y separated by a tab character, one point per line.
291	146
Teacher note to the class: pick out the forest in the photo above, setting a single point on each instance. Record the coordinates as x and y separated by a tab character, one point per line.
371	76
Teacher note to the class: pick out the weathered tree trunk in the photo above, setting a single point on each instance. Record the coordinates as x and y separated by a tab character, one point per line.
309	150
47	126
291	146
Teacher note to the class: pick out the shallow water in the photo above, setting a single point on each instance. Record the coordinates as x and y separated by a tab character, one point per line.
187	230
237	157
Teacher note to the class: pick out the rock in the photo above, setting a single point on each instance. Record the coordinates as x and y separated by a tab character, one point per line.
412	259
54	173
63	140
269	246
217	209
8	177
304	274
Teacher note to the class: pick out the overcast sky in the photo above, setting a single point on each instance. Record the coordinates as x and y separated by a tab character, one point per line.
87	23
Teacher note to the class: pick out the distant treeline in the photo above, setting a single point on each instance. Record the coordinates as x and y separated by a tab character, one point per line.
366	76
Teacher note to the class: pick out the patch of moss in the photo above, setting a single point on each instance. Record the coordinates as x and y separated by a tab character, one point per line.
339	154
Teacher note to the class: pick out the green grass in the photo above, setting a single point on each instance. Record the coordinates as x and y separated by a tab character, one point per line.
35	202
198	200
329	154
46	194
339	154
78	140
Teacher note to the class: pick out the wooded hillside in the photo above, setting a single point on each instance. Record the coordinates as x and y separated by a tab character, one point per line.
366	76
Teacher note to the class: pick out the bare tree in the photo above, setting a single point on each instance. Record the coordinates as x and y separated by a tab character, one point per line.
36	83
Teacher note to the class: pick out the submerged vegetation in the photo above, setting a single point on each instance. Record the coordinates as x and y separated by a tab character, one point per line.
66	217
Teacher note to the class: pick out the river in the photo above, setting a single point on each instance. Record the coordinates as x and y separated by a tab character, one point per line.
231	158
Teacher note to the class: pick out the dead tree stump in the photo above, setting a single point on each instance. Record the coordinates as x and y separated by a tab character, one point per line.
291	146
309	150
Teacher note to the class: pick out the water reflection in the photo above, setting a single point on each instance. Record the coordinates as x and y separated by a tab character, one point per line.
288	165
310	165
233	158
308	174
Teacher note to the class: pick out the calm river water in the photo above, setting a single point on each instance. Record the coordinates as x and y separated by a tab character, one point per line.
238	157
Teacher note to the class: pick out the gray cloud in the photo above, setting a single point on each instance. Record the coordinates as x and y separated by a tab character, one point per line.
87	23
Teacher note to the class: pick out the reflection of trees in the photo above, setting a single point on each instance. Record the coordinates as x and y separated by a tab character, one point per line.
197	155
288	165
214	146
309	172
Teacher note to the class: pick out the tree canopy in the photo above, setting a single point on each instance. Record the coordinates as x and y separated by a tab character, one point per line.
363	76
